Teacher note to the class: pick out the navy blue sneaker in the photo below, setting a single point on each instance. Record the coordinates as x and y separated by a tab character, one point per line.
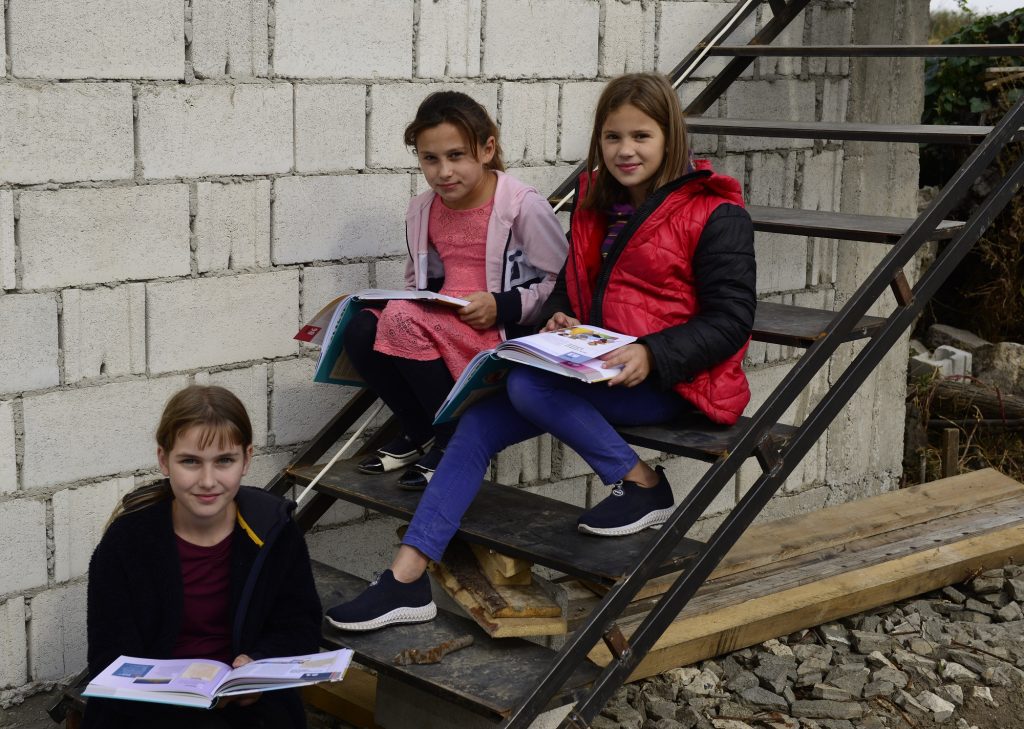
630	508
417	477
385	602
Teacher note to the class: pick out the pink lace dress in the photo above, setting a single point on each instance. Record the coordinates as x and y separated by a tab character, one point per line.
426	331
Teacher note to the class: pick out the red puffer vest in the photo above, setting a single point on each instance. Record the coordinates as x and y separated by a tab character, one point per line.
651	284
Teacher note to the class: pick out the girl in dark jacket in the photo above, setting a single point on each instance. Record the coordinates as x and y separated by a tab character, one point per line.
198	566
660	249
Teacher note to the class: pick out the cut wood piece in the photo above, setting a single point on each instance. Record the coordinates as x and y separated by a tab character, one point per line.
500	601
500	569
793	594
494	626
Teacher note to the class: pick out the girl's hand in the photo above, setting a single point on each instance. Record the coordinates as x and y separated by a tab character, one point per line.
244	699
560	321
482	310
636	363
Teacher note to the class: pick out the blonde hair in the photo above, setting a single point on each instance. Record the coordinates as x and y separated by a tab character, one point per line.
652	94
218	413
465	114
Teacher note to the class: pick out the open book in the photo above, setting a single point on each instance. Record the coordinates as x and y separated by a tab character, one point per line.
573	352
199	682
327	326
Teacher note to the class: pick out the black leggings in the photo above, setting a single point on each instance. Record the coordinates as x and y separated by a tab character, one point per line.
413	389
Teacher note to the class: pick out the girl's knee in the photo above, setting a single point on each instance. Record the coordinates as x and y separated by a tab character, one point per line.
361	332
524	382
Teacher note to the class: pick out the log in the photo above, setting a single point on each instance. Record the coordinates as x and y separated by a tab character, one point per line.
957	399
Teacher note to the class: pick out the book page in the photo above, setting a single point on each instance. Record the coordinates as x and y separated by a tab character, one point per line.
270	673
405	295
192	676
575	345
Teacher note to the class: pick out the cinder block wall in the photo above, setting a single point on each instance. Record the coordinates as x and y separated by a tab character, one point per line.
183	182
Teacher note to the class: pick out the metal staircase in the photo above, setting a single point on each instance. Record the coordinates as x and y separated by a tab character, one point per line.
512	681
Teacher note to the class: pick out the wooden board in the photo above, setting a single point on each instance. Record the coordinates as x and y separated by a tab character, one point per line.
499	601
500	569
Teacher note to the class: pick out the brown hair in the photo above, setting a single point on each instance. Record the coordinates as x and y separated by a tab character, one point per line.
652	94
219	414
465	114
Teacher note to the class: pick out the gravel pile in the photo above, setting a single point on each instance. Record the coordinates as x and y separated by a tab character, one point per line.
950	658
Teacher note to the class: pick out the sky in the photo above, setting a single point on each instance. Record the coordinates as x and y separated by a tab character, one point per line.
980	6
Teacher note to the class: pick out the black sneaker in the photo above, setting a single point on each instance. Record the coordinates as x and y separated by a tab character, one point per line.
385	602
394	455
630	508
417	477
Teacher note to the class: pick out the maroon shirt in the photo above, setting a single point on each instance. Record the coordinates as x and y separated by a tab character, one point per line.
205	623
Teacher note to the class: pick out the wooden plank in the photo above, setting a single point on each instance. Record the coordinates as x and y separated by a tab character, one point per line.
858	131
499	601
740	618
500	569
352	700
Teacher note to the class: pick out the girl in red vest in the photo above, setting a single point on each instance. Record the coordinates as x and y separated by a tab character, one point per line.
662	249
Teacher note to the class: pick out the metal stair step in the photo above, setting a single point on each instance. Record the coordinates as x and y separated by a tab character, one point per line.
489	677
801	326
874	51
512	521
844	226
694	437
859	131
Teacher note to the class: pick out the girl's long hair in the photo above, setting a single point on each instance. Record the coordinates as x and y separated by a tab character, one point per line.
652	94
221	418
465	114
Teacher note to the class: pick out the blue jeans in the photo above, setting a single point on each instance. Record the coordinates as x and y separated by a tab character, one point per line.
535	402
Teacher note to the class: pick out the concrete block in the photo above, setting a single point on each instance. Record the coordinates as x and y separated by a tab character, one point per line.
13	639
823	175
104	332
834	96
245	317
685	24
65	133
823	260
539	25
56	633
524	462
79	519
571	491
28	357
347	216
8	454
359	549
232	225
330	127
939	334
8	275
23	545
572	464
322	284
97	39
250	385
3	45
773	179
393	106
684	473
113	234
529	122
781	262
389	274
830	26
94	431
785	505
200	130
344	39
783	99
960	361
578	103
265	467
299	407
628	43
792	35
545	178
448	39
229	38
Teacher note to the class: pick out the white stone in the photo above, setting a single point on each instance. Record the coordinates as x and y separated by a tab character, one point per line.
28	357
97	39
781	262
8	275
65	133
579	100
8	454
343	39
212	321
345	216
961	360
199	130
629	41
229	38
330	127
299	407
250	385
393	106
114	234
23	545
56	633
322	284
512	26
448	39
95	431
80	517
529	122
685	24
104	331
13	638
941	708
232	225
